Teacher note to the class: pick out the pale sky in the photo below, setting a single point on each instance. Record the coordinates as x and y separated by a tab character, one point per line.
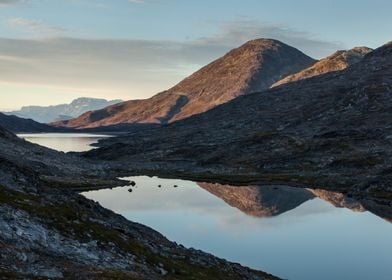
52	51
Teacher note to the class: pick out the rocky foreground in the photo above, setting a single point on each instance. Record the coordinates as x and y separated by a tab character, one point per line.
331	132
48	231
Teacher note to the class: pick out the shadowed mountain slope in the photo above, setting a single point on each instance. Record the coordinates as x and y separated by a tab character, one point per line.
19	125
254	66
330	131
340	60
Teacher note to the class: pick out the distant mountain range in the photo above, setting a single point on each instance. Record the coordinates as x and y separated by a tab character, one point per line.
63	111
253	67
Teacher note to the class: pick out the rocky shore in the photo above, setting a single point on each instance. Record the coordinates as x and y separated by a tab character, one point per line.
48	231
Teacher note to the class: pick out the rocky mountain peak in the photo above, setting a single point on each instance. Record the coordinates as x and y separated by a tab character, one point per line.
252	67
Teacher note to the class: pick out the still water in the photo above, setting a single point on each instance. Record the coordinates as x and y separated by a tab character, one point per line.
64	142
293	233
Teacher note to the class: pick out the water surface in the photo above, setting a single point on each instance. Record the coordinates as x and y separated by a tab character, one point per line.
296	234
310	239
64	142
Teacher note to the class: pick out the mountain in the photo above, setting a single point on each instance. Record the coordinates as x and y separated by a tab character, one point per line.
254	66
63	111
259	201
340	60
331	131
20	125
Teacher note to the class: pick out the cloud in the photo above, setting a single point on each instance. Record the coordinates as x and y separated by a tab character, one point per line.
7	2
134	68
11	2
231	33
36	27
138	67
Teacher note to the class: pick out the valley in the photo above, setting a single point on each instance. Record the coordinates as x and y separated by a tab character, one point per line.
265	157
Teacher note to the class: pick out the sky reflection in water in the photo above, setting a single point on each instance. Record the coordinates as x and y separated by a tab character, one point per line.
315	240
64	142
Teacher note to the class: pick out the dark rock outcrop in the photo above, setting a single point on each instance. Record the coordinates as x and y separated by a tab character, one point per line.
255	66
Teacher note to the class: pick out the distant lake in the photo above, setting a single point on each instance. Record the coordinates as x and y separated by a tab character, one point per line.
64	142
296	234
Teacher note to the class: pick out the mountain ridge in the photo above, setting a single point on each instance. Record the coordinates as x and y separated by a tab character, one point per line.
21	125
338	61
324	131
252	67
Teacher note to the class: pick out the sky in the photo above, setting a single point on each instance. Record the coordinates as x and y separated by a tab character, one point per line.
53	51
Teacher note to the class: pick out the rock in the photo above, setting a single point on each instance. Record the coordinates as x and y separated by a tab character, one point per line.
162	271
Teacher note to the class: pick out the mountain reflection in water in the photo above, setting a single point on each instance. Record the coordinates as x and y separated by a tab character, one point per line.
267	201
291	232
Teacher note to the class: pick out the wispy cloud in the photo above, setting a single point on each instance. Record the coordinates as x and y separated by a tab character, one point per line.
36	27
9	2
233	32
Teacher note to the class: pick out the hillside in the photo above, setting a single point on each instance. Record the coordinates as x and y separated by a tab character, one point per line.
254	66
340	60
20	125
331	131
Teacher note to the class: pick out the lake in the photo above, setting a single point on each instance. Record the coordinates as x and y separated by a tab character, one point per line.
64	142
297	234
